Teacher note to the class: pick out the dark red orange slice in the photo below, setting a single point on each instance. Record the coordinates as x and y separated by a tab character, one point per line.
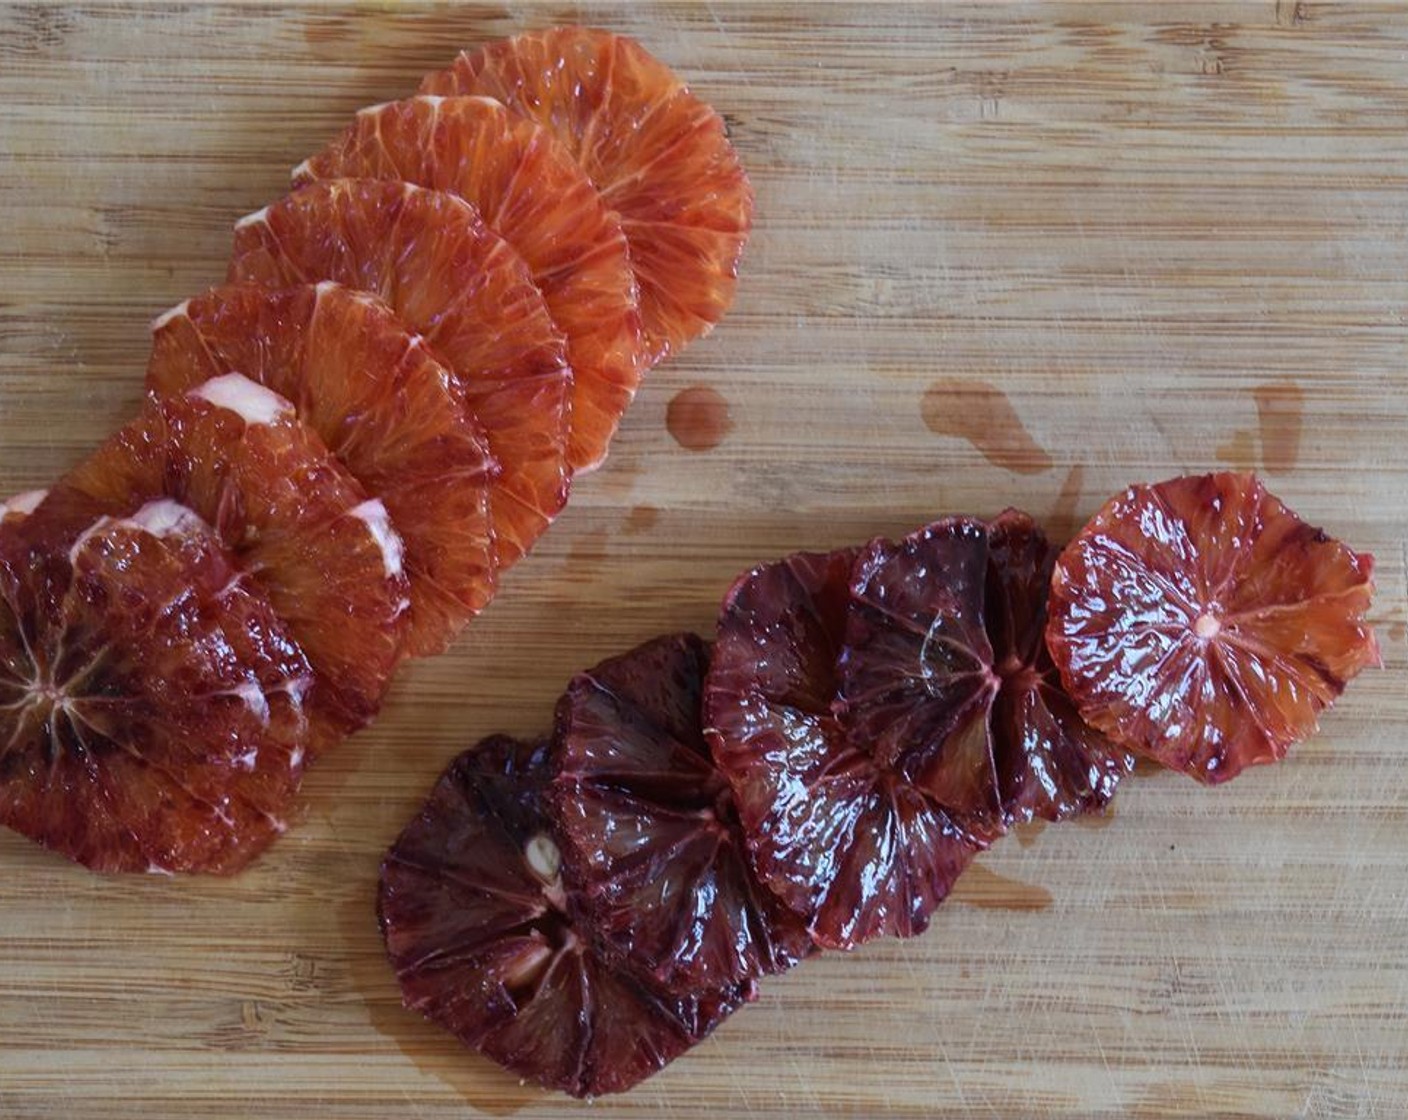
150	699
659	156
531	192
382	403
1202	623
486	939
850	844
326	555
944	679
652	841
459	285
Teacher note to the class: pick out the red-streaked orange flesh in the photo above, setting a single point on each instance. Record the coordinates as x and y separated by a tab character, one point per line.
1202	623
658	154
393	415
531	192
312	540
449	278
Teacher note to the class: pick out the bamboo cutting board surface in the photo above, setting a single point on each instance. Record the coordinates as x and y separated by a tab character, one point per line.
1005	255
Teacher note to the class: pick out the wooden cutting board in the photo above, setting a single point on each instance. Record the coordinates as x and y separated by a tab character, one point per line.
1089	244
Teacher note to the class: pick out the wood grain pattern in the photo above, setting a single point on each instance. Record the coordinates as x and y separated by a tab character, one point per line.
1127	219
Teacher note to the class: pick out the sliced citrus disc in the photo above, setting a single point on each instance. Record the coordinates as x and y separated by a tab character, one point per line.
659	156
1202	623
486	940
943	681
853	847
326	555
531	192
461	287
150	712
652	841
380	401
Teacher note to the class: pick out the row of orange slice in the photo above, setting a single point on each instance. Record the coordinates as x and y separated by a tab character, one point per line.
882	714
585	908
345	445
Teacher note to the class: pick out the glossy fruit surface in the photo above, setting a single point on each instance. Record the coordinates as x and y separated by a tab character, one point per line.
466	292
659	156
1202	623
652	842
848	843
1051	764
487	942
945	680
325	554
391	413
150	699
531	192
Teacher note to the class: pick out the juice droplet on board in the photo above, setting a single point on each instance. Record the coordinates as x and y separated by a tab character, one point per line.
698	418
1280	409
640	519
1029	831
1097	821
982	414
1065	519
1238	451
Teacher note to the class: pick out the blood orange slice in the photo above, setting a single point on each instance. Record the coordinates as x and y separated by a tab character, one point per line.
325	554
659	156
446	276
379	400
486	941
849	844
943	678
1201	622
651	836
531	192
149	697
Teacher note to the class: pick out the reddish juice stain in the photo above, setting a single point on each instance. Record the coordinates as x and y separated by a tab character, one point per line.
1146	766
982	414
988	890
1065	521
698	418
1398	631
1280	409
1028	832
1097	821
1239	451
640	519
